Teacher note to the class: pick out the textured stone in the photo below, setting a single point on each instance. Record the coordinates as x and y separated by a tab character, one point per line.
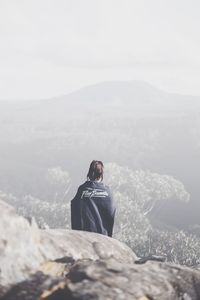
24	248
82	265
38	287
80	245
109	279
19	252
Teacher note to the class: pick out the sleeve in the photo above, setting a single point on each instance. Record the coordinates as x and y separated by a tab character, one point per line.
111	217
75	212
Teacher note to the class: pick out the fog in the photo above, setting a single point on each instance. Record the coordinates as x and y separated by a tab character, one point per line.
131	123
108	80
52	47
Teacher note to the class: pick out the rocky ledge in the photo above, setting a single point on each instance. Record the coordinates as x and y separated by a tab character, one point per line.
108	279
24	248
63	264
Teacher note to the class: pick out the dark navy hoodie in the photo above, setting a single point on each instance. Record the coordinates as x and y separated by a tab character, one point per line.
92	208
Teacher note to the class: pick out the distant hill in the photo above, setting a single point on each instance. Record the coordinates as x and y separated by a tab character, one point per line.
135	95
132	97
138	95
131	123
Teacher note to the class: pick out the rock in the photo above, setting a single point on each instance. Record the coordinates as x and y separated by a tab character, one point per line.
19	252
79	245
24	248
38	287
109	279
54	269
67	265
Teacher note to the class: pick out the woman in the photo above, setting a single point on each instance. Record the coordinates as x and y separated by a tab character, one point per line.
92	208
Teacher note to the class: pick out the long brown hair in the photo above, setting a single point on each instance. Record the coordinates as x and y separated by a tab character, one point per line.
95	171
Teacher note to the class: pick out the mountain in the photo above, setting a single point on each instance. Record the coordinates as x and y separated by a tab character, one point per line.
139	96
131	123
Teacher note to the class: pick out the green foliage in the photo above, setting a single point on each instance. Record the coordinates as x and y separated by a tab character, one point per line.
54	213
47	214
56	176
135	194
145	188
131	226
58	182
178	246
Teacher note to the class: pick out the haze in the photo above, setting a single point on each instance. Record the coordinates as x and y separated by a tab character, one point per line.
52	47
117	81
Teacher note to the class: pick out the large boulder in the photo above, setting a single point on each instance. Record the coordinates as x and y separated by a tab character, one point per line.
19	251
110	279
65	264
24	248
56	243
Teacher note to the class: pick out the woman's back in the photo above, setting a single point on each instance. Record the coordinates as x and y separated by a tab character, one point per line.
92	208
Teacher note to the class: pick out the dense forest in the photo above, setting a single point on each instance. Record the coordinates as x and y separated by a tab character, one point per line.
149	141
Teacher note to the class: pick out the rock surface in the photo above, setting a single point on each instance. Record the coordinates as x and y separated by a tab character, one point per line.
24	248
108	279
80	245
19	252
38	287
67	265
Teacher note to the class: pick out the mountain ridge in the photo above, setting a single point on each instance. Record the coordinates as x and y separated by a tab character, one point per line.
117	87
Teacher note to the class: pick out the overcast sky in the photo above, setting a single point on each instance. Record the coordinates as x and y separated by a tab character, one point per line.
51	47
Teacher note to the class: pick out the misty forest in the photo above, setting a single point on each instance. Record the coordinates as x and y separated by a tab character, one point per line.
149	141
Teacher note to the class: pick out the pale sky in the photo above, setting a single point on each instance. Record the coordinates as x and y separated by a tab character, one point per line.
52	47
